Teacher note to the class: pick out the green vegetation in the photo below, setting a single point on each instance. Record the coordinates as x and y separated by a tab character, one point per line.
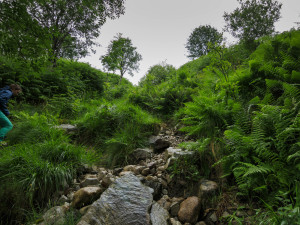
122	56
197	43
239	103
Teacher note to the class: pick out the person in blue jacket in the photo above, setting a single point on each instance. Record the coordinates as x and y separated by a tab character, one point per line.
5	94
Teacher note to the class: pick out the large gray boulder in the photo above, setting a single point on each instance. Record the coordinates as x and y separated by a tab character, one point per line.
127	201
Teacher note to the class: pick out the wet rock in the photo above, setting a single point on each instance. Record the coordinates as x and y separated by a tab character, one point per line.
159	215
127	201
189	210
86	196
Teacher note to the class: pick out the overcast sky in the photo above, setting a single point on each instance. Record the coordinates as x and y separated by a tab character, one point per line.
160	28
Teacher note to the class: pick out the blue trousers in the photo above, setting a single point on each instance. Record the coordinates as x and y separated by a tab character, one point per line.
5	125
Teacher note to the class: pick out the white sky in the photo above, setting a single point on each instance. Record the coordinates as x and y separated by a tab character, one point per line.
160	28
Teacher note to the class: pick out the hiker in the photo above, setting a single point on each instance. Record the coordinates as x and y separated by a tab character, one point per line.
5	94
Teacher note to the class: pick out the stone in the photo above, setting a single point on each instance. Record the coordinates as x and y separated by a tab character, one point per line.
138	169
85	196
207	187
145	172
241	213
83	210
107	180
152	164
129	168
174	222
213	217
165	202
142	153
161	168
127	201
201	223
158	144
207	190
159	215
156	186
123	173
101	174
62	200
116	171
174	208
55	216
189	210
170	152
70	129
90	181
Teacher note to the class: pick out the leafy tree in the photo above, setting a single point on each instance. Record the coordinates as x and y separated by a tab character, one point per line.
63	28
158	74
122	56
197	44
254	19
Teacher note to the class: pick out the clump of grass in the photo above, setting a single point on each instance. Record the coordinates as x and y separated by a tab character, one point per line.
31	174
35	128
116	128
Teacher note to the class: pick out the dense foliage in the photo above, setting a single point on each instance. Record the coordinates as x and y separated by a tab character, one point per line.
121	55
253	19
240	106
52	29
197	43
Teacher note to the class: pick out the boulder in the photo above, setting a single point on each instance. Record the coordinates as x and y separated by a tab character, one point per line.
159	216
141	154
55	216
86	196
207	190
189	210
158	144
127	201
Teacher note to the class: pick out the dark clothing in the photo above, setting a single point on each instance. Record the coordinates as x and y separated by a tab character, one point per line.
5	95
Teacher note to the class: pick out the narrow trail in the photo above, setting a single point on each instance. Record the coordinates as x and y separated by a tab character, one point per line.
145	192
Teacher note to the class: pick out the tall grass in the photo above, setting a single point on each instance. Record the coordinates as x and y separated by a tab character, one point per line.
116	128
38	163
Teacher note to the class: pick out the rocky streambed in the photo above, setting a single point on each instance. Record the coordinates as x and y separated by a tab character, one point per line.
144	193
